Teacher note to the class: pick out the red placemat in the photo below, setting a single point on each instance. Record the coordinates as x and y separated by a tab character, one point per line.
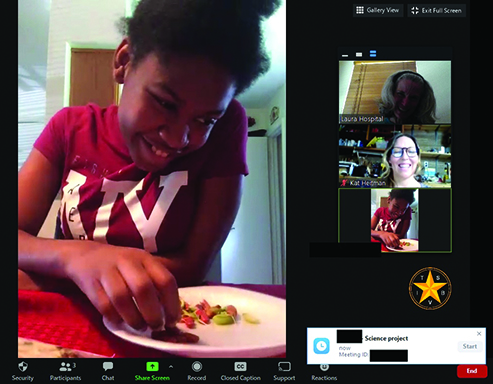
383	248
71	321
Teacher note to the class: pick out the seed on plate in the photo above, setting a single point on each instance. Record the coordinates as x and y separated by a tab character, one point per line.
223	319
250	319
231	310
174	335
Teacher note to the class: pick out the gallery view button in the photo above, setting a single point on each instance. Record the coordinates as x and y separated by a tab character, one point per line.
378	10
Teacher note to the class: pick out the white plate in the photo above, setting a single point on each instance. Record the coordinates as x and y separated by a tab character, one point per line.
241	339
409	248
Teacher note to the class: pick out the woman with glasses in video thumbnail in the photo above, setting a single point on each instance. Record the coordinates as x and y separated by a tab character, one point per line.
407	98
402	162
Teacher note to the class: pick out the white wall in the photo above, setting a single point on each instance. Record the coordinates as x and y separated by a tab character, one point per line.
32	38
279	100
345	73
88	23
246	255
261	118
262	115
439	75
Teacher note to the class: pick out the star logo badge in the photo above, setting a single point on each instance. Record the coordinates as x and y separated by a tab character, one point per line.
430	288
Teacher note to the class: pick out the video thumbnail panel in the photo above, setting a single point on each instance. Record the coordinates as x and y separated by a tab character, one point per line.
396	220
395	156
395	92
395	124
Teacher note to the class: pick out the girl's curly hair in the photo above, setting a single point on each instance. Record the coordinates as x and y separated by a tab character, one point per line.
226	31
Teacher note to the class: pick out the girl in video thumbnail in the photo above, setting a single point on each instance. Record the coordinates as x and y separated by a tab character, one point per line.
407	98
402	161
390	224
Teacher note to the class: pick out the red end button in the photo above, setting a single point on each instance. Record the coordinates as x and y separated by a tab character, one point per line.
472	371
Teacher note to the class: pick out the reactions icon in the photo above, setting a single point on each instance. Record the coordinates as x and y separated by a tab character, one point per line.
321	345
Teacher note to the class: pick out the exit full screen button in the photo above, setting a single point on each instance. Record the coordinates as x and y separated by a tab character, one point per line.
436	10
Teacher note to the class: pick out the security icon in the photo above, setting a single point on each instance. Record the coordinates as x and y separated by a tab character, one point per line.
22	366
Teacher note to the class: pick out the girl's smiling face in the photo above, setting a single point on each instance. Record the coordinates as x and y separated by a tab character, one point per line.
168	110
397	207
404	167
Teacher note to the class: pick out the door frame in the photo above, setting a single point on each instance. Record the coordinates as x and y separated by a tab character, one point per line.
277	200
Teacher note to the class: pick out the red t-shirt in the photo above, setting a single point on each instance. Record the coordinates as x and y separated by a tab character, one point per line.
385	223
106	198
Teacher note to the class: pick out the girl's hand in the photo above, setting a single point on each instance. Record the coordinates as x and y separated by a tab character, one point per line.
126	284
389	239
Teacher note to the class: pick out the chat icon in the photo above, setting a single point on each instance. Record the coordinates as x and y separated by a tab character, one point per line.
107	365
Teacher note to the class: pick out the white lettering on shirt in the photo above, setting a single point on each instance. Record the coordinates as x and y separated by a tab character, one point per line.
147	228
394	224
70	204
384	225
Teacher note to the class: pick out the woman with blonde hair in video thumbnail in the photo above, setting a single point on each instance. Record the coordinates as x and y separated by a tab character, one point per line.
407	98
402	161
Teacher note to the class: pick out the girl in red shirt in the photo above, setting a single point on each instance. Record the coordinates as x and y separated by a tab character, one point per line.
390	224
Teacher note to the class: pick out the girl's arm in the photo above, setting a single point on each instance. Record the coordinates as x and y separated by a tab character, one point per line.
374	222
217	208
404	228
38	185
123	283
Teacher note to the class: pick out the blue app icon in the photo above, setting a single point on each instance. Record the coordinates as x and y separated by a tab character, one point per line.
321	345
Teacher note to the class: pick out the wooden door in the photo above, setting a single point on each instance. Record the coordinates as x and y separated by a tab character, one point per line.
91	77
384	202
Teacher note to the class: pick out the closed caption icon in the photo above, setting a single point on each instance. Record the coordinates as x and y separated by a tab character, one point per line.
240	366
